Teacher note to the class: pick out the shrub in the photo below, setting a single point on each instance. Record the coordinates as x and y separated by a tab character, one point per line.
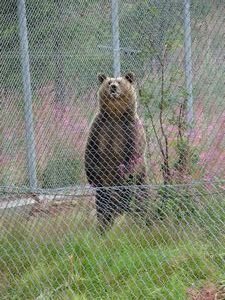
61	172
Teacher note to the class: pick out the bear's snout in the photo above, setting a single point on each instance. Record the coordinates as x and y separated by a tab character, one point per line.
113	88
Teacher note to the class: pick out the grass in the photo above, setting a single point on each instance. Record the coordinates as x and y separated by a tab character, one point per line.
64	257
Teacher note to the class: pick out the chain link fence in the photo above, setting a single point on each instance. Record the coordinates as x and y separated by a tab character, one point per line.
166	233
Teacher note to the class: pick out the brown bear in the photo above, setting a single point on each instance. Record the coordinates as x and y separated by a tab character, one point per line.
115	150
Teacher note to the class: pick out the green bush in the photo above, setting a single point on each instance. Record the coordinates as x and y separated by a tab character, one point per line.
61	172
176	204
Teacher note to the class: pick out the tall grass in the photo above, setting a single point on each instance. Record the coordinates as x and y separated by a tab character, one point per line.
64	256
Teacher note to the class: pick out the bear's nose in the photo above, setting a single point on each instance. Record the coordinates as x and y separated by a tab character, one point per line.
113	87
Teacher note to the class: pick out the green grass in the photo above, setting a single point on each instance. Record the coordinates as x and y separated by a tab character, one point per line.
64	257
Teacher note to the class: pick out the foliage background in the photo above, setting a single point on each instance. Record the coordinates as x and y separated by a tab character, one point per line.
69	44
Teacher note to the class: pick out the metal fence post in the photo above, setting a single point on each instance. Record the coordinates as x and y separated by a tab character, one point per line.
115	38
31	155
188	61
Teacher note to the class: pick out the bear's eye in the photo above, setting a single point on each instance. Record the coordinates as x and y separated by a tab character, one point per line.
109	82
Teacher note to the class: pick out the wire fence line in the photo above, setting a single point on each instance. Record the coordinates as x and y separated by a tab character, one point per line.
55	81
164	237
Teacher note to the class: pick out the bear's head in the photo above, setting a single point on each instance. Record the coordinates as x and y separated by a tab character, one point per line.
117	95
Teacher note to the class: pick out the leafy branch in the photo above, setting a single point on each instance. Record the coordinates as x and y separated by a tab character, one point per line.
178	170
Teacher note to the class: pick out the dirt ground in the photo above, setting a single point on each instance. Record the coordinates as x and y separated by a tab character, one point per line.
210	292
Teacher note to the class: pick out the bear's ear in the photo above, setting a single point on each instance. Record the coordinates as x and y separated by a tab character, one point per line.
101	77
130	77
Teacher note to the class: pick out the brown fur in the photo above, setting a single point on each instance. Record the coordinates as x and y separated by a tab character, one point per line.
115	149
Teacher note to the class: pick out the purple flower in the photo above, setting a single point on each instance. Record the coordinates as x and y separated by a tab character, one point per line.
121	169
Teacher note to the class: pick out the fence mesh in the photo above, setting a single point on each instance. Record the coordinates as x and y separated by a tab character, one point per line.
157	189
